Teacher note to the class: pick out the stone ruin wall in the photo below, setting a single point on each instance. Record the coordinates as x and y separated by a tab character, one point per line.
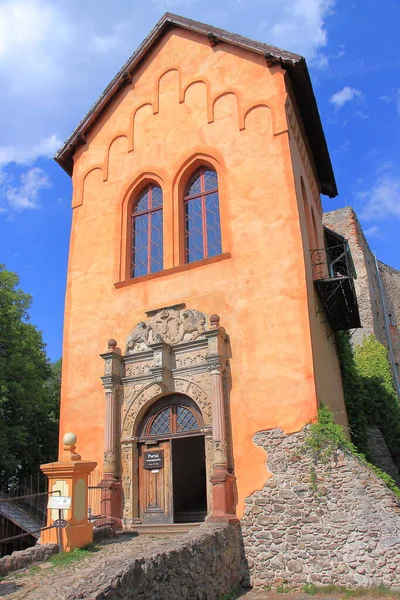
347	533
344	222
372	312
391	289
204	564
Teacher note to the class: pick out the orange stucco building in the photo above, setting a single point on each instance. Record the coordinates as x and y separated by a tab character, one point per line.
196	201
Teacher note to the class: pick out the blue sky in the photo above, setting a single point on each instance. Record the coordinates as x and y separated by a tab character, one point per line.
57	57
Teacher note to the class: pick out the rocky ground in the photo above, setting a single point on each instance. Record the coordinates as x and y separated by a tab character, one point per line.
266	595
48	582
52	582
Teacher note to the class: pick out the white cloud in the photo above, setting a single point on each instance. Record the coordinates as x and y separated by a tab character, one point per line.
374	231
299	26
57	57
46	148
394	96
343	148
382	200
397	101
347	94
26	194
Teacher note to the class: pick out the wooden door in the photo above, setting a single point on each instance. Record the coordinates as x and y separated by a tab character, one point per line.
155	483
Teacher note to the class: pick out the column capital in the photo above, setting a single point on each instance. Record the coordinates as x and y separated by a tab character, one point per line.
129	441
110	384
215	364
112	355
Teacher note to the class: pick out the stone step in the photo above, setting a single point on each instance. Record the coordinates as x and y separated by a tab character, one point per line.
164	529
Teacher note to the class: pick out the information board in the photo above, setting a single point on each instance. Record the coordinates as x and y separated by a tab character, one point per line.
60	502
153	459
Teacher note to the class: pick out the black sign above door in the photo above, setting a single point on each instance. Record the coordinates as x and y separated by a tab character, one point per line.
153	459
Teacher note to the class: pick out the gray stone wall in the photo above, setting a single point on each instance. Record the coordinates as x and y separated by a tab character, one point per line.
391	285
380	454
348	533
345	222
204	564
24	558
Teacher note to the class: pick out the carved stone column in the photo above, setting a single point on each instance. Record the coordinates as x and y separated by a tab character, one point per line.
110	431
111	483
222	481
218	410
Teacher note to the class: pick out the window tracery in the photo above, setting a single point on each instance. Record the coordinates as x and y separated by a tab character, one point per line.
202	217
147	232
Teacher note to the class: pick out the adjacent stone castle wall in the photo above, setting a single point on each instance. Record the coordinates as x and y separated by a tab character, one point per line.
204	564
380	454
348	533
391	289
372	311
345	222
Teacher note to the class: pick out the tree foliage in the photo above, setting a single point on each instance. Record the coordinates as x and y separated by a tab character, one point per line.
371	399
29	387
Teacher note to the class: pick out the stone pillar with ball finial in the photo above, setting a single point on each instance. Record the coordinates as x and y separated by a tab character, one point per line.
111	508
222	480
68	478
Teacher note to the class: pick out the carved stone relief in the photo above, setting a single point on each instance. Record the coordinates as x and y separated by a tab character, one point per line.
189	359
136	369
137	399
181	364
199	391
169	325
127	471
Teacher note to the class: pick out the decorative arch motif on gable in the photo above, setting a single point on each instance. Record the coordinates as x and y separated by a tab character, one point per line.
151	105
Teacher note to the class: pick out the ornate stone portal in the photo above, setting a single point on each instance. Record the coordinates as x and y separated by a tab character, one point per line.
172	352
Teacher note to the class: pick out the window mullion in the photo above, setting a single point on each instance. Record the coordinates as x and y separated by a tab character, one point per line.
173	419
149	243
203	213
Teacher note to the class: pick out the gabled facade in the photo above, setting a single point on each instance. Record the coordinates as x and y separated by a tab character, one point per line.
196	203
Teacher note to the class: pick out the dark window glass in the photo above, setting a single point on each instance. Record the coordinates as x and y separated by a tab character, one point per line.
162	423
202	220
185	419
147	232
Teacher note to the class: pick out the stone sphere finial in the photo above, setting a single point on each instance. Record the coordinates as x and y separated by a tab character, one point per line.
112	344
214	321
69	439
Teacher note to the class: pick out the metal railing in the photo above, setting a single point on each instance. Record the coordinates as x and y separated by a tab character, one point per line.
22	519
332	262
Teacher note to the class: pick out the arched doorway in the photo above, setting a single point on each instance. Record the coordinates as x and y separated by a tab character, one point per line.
172	466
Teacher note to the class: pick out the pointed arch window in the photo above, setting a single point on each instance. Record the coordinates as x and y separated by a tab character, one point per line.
147	232
202	219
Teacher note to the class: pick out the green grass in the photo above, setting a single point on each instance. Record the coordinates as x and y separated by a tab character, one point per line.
283	588
375	592
65	558
229	596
